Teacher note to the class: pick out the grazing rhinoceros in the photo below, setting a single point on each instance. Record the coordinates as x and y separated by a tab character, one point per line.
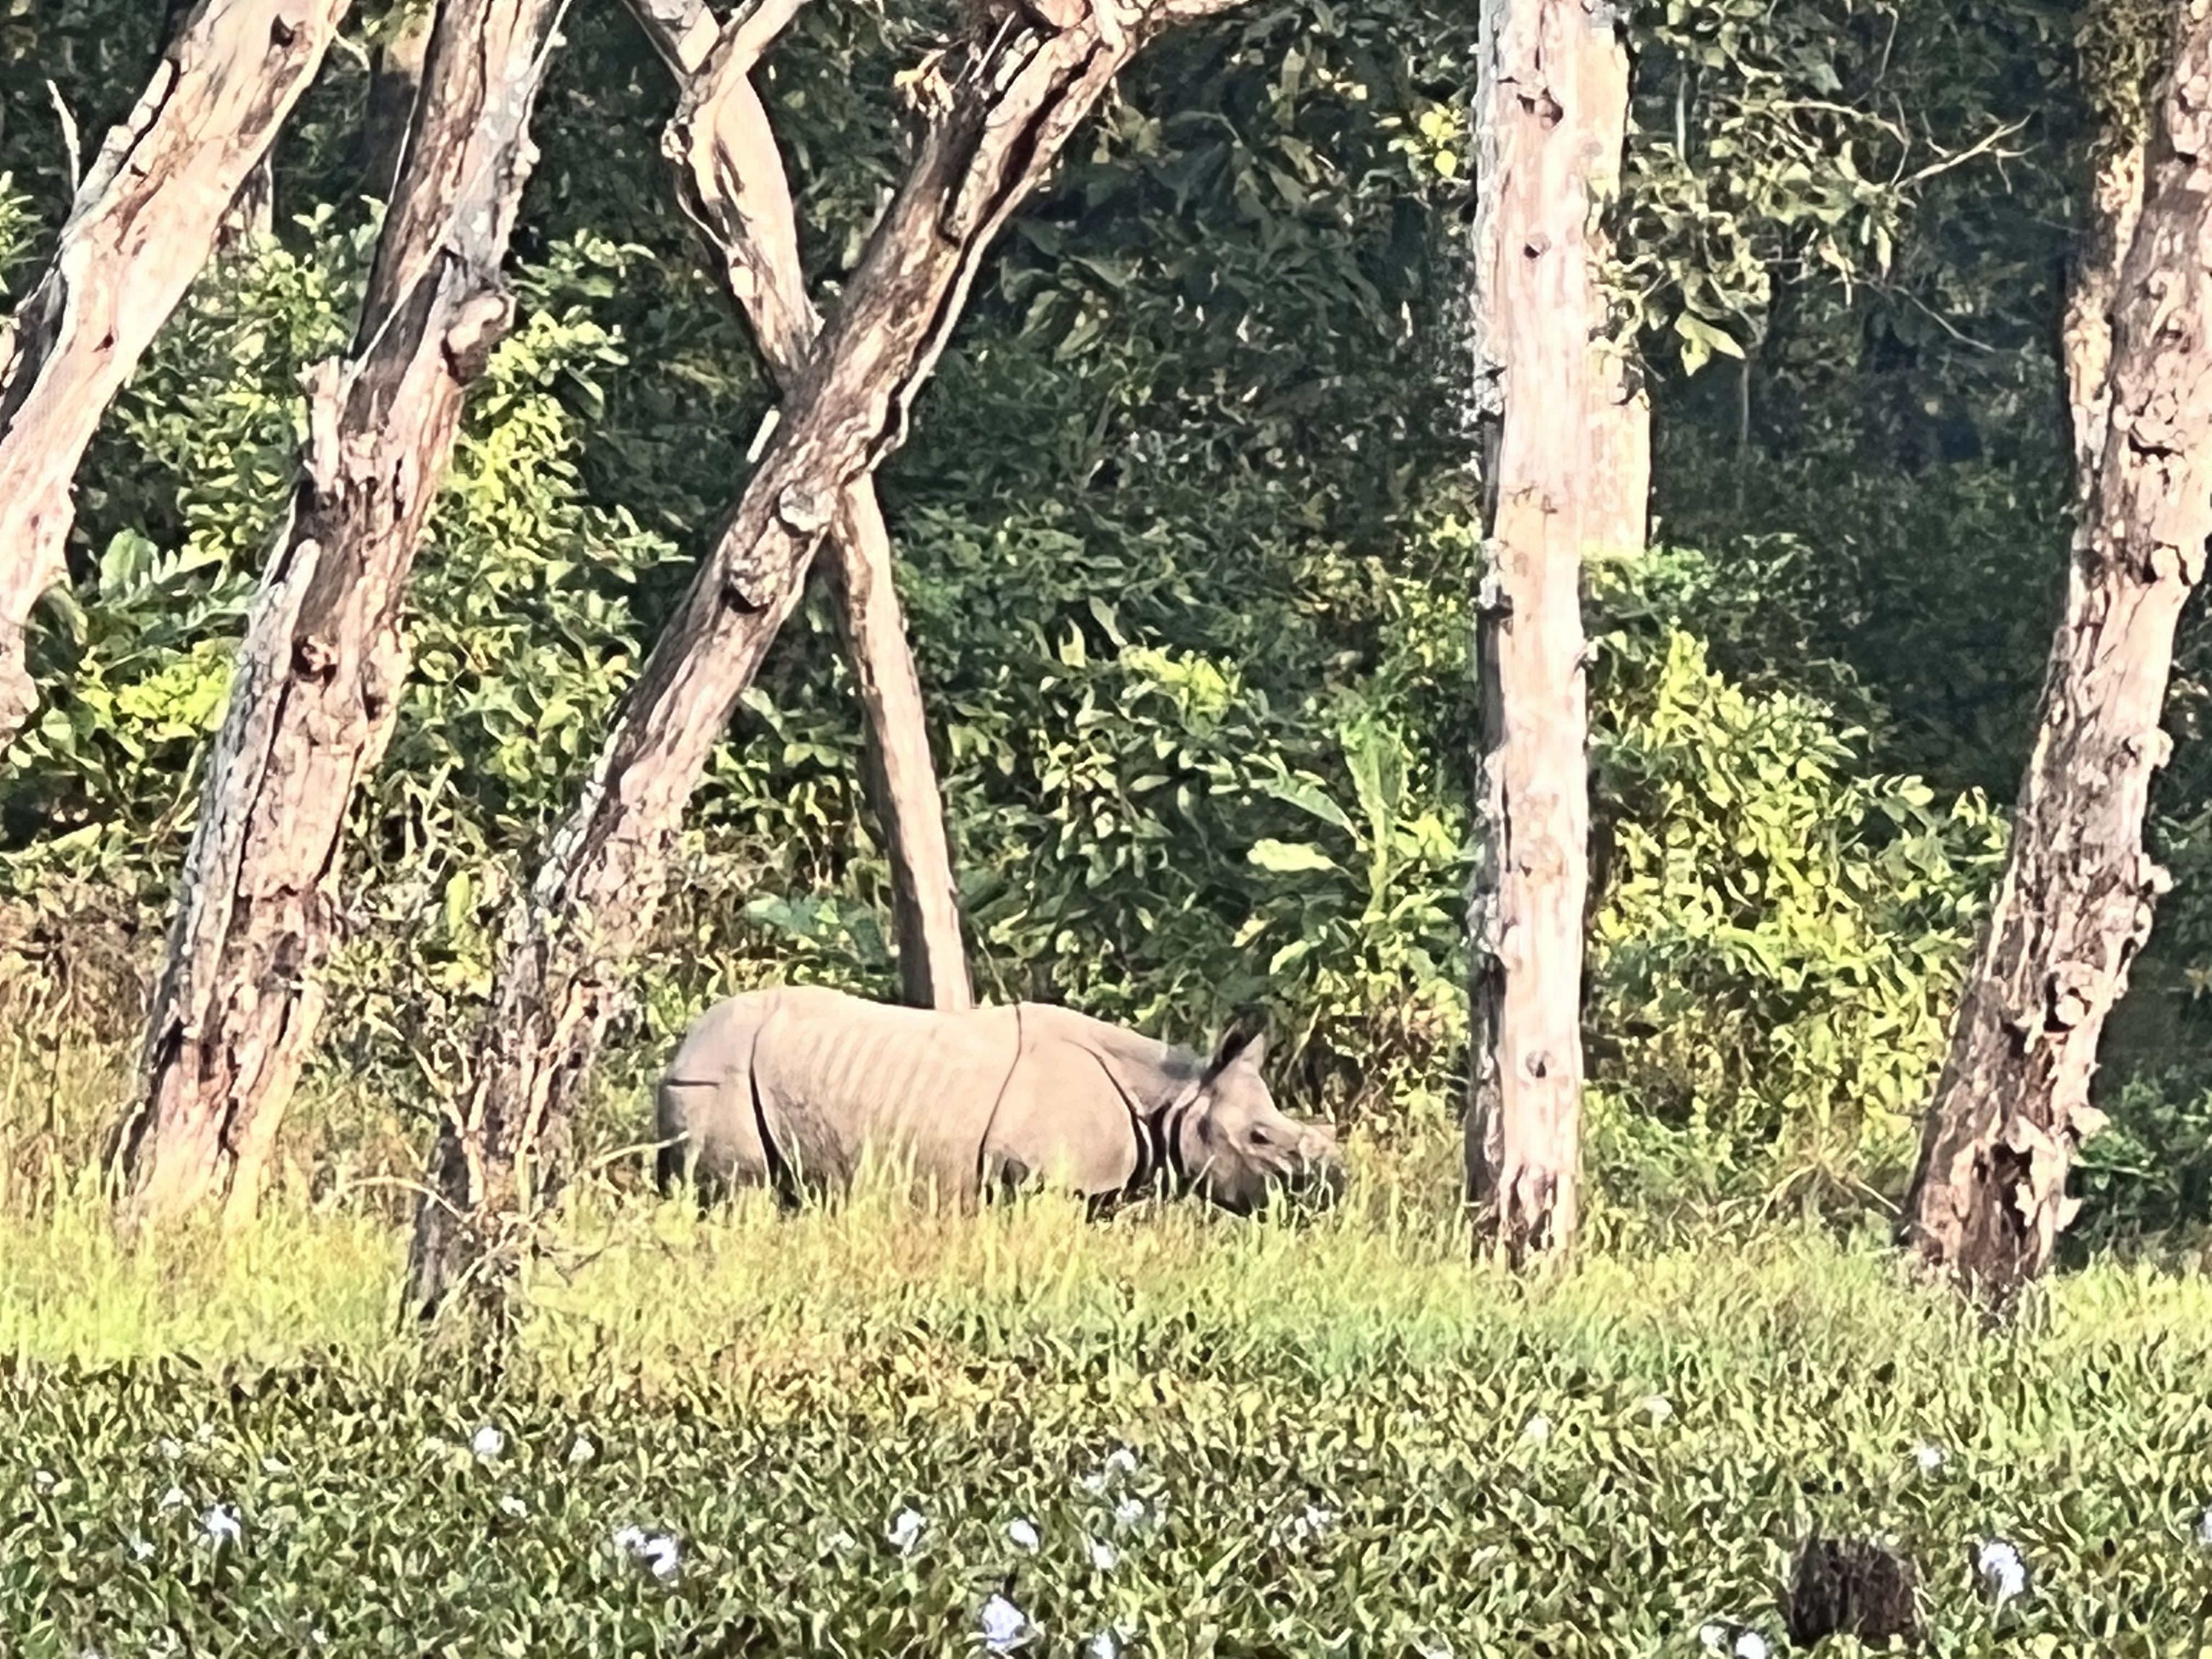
786	1087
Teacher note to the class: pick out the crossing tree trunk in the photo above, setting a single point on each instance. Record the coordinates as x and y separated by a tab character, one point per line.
2012	1104
998	113
320	671
1564	452
145	221
733	186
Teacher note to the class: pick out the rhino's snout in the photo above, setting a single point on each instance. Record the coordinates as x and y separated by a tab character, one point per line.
1321	1164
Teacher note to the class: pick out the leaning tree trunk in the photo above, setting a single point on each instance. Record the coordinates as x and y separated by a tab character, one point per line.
1988	1199
143	223
732	182
1565	455
997	125
320	671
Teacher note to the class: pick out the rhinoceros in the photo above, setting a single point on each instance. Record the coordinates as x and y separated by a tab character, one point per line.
788	1087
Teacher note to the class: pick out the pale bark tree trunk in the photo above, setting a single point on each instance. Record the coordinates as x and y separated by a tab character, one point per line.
143	224
733	183
1988	1199
998	121
1565	461
320	671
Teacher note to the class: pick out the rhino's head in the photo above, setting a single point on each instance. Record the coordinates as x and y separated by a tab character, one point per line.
1237	1147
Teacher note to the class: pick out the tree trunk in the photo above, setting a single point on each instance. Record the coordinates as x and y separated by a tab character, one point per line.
997	125
143	223
1566	460
733	183
1988	1199
321	668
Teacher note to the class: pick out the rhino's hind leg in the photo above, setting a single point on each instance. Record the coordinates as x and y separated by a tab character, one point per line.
709	1137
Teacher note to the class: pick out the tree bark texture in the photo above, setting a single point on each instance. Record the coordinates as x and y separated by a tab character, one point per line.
320	671
144	223
2012	1104
1567	463
732	179
999	115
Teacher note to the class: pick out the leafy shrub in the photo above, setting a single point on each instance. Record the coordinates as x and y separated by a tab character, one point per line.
1779	934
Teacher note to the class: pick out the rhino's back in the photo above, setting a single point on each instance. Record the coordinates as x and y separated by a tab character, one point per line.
833	1076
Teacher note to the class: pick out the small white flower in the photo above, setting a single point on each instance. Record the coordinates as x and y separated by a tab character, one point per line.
140	1549
1537	1428
43	1480
1094	1483
1102	1646
1750	1644
1929	1456
1128	1512
2003	1572
841	1542
1120	1460
171	1500
169	1449
1104	1555
1022	1535
488	1443
581	1450
1658	1407
1713	1637
514	1505
222	1525
2205	1528
1004	1626
204	1434
905	1530
628	1540
662	1555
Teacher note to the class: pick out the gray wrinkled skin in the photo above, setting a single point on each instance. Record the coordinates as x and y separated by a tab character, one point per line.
790	1087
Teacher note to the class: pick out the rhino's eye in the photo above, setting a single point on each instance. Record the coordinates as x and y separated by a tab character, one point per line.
1259	1137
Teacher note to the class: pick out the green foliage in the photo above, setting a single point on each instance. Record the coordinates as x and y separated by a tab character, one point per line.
1774	954
1337	1439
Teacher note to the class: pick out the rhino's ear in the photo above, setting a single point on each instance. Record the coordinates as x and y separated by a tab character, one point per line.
1240	1045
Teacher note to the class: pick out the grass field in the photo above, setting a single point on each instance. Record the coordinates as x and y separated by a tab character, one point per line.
1340	1438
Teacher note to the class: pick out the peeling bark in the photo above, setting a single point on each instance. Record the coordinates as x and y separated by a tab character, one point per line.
320	671
997	122
1989	1198
733	186
143	224
1565	445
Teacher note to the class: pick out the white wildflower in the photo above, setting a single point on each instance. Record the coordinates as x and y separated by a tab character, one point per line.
488	1443
1093	1483
204	1434
1004	1626
2205	1528
1750	1644
1022	1534
1104	1555
1929	1456
1120	1460
1658	1407
173	1498
581	1450
659	1550
2003	1572
169	1449
1128	1512
43	1480
1537	1428
141	1550
841	1542
222	1525
1102	1646
1713	1637
514	1505
905	1530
